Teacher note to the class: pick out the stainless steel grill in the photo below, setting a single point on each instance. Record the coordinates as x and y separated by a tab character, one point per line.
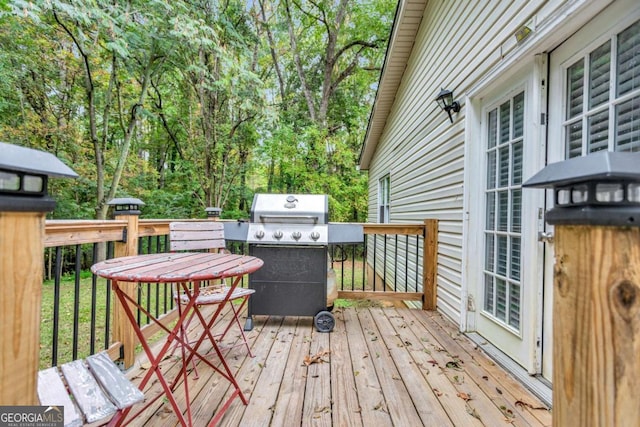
291	233
280	219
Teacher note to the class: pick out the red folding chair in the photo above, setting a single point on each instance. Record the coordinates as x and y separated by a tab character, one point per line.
209	235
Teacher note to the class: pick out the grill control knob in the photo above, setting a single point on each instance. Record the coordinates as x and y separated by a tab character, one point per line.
296	235
315	235
277	234
259	234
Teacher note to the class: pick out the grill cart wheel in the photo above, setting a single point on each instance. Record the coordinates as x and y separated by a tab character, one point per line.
324	321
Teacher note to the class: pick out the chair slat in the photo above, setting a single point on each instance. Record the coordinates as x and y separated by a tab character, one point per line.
184	236
194	245
119	389
92	401
53	392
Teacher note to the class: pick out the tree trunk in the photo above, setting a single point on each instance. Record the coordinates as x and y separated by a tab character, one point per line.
131	128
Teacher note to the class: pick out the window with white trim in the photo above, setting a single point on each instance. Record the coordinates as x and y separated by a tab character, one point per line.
384	191
602	104
503	216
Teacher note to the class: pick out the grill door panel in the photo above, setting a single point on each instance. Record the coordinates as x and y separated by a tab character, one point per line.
292	282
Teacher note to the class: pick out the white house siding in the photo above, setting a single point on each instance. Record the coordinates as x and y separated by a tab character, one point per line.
458	42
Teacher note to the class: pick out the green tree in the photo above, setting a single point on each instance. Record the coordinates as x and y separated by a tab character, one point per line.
194	104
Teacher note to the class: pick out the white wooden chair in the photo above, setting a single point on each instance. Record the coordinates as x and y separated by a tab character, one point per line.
209	235
91	391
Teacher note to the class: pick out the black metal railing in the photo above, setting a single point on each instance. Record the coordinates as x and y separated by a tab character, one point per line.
388	256
76	306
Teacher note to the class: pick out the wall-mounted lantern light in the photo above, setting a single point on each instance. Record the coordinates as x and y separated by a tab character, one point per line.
126	206
24	174
599	189
446	102
213	212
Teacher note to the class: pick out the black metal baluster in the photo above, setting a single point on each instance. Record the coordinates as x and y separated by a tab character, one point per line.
375	260
365	258
417	258
94	291
395	266
406	262
353	267
56	305
107	325
384	264
76	302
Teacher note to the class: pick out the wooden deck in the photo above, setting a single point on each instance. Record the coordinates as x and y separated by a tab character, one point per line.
379	367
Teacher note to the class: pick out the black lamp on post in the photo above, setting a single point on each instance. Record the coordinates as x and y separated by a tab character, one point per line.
599	189
213	212
24	173
446	102
126	206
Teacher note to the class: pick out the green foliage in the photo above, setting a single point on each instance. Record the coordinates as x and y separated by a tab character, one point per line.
193	104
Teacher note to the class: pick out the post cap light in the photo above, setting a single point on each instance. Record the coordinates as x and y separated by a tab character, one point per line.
598	189
23	178
126	206
446	102
213	212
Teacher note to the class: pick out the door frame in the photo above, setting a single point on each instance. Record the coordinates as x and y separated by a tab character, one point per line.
534	84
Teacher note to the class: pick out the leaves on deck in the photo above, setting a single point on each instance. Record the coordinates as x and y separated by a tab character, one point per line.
507	412
316	358
381	407
471	411
521	404
454	364
464	396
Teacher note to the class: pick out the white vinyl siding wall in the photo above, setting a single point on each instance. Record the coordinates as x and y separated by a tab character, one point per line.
458	42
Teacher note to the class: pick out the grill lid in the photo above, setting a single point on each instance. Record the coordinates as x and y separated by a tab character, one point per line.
289	219
290	208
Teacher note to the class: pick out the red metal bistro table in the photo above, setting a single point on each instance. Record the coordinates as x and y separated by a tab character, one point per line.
182	269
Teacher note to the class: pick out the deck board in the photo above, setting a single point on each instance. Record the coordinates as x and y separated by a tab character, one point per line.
502	388
343	385
430	411
290	399
379	366
397	400
368	387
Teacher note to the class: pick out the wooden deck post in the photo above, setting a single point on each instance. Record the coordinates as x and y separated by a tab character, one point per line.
596	326
24	203
126	209
596	295
430	264
21	275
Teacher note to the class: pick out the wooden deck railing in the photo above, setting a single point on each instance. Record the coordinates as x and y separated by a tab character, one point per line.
375	263
72	246
371	271
426	249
